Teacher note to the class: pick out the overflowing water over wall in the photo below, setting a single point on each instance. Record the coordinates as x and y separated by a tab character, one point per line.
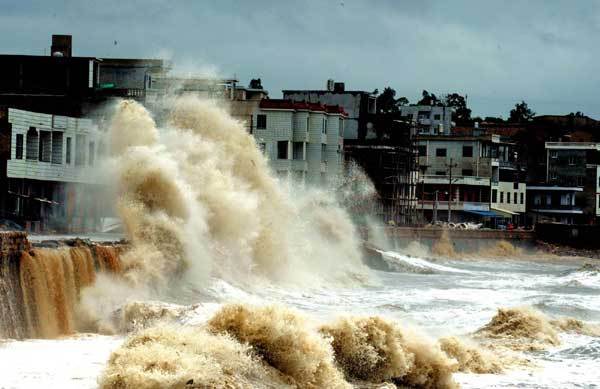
40	287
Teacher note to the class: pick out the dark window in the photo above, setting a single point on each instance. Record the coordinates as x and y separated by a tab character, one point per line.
282	149
467	151
515	194
323	152
91	147
440	152
501	197
68	152
437	116
422	150
507	197
57	146
324	126
298	150
45	146
19	147
494	195
31	151
440	173
516	185
467	172
261	122
522	198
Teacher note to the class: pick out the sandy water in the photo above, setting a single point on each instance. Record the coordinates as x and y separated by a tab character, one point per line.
449	297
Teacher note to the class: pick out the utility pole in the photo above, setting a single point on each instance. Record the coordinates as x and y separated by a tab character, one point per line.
450	166
435	207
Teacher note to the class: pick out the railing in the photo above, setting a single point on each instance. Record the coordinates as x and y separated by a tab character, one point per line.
464	180
456	205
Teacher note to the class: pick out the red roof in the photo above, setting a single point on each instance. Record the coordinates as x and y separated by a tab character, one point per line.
301	106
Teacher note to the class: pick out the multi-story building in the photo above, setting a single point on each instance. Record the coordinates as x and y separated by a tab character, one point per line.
357	104
470	178
48	179
429	119
301	140
570	193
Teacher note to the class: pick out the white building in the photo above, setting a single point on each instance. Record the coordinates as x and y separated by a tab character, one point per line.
49	174
429	119
301	140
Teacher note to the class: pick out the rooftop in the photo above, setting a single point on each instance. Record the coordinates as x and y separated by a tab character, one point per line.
300	106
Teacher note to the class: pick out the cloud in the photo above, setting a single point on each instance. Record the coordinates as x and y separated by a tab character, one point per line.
496	52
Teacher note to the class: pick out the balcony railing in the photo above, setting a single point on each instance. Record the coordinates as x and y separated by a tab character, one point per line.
460	180
456	205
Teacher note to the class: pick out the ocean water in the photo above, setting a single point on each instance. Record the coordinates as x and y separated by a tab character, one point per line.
441	298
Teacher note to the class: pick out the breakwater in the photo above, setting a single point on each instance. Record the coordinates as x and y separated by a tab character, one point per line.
40	286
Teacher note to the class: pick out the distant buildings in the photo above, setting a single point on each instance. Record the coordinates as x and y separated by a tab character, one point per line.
357	104
430	120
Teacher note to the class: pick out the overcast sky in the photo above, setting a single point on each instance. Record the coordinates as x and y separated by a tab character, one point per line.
497	52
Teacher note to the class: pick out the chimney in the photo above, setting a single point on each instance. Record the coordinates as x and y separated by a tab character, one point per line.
339	87
61	46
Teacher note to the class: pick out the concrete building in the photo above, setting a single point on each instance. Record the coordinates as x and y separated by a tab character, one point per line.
471	177
358	105
48	178
302	141
570	193
430	120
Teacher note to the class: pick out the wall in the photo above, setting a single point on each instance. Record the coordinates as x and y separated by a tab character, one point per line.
508	188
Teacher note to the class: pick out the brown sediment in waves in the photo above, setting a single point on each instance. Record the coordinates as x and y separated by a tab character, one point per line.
526	329
471	357
444	247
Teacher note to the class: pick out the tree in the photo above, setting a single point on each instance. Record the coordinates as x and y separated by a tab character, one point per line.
386	101
521	113
429	99
255	83
462	114
492	119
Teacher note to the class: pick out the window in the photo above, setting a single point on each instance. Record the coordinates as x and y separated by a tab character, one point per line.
261	122
57	146
548	199
282	149
553	175
572	160
45	146
262	147
440	152
323	152
516	185
437	116
467	172
494	195
440	173
91	147
341	127
298	150
507	197
307	123
501	197
467	151
522	198
422	150
31	147
537	199
68	152
19	147
79	150
515	194
324	130
553	154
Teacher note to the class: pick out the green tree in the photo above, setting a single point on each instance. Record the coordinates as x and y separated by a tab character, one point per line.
521	113
462	114
429	99
387	102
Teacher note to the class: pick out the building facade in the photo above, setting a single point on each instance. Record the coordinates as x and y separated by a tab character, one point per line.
430	120
49	181
358	105
470	178
302	141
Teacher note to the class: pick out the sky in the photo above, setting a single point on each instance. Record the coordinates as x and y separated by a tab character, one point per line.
545	52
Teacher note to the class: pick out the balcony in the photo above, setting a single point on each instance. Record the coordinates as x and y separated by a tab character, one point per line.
457	180
456	205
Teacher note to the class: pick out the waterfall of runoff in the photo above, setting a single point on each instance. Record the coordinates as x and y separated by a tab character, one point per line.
207	221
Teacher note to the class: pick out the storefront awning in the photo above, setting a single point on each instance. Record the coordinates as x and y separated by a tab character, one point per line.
504	212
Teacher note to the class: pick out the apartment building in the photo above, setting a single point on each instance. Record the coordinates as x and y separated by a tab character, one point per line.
470	178
303	141
48	180
431	120
570	193
357	104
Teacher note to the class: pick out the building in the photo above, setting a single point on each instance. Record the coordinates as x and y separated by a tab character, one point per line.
302	141
429	119
570	192
470	178
47	178
358	105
